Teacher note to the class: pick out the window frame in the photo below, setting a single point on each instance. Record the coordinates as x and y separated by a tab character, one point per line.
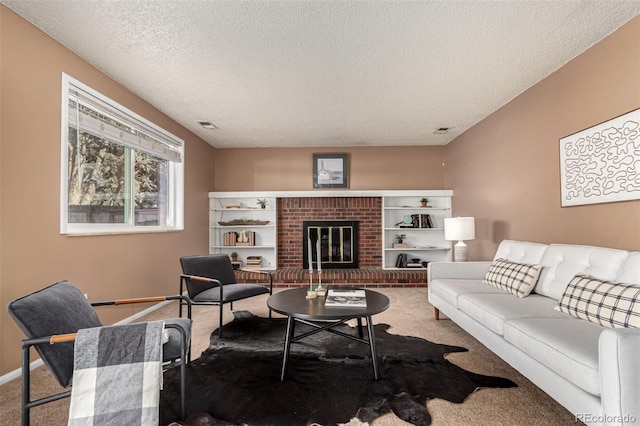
175	203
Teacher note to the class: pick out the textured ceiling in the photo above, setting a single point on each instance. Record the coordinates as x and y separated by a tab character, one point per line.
327	73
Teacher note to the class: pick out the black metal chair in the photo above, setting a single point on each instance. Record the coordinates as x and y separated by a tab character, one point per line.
50	318
210	280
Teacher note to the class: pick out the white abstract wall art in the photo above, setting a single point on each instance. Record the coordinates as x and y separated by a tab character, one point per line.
601	164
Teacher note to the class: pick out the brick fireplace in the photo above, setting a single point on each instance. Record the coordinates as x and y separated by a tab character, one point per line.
365	209
292	212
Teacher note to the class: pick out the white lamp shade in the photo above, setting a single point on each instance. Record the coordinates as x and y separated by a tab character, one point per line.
459	228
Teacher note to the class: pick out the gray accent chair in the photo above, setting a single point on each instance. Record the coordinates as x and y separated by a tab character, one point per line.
210	280
50	318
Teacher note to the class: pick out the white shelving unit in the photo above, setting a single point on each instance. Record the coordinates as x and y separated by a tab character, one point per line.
424	243
266	236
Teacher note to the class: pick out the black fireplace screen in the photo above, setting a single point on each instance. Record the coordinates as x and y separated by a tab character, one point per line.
338	243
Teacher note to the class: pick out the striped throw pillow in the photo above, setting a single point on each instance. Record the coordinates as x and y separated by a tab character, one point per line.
515	278
606	303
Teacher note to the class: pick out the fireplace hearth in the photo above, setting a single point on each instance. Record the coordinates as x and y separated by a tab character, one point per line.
338	243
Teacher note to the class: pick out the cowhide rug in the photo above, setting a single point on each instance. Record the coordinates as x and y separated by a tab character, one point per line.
330	378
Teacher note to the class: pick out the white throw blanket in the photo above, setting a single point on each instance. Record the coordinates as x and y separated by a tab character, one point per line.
117	375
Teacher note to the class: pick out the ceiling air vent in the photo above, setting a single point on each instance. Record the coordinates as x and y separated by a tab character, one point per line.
207	125
441	130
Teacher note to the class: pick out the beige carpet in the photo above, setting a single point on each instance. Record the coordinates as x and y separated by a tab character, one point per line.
409	314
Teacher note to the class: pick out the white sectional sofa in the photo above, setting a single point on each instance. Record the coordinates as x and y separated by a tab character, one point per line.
592	370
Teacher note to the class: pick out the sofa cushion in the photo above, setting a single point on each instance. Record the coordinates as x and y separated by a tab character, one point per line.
492	310
630	271
561	262
520	251
512	277
451	289
567	346
605	303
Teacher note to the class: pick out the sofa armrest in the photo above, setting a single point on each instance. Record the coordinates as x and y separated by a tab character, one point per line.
620	374
458	270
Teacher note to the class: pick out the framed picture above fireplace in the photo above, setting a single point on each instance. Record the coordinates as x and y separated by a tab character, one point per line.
330	171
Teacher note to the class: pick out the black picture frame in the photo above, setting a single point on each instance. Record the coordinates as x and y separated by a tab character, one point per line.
330	171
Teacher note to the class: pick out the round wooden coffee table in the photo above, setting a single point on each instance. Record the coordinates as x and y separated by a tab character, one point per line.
297	308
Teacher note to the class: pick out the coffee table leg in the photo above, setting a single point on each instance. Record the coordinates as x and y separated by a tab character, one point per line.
372	344
360	334
287	346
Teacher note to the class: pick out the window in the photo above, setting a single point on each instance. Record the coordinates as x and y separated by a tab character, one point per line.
120	172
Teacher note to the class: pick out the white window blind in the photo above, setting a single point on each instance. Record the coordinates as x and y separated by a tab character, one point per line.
89	114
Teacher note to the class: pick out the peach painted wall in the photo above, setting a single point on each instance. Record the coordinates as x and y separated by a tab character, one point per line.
33	254
505	171
291	169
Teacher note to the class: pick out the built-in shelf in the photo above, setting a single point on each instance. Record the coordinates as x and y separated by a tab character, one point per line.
242	226
426	244
403	214
419	249
266	240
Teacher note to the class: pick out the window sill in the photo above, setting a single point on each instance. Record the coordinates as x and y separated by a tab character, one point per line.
150	230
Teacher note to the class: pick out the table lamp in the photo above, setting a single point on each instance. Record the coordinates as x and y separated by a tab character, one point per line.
459	229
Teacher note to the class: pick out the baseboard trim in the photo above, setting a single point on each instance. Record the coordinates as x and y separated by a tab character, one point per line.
17	373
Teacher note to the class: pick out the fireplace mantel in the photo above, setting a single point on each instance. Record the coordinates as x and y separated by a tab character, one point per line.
334	193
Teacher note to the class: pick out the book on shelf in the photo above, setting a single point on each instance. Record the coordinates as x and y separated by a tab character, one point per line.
346	298
229	238
422	221
431	223
253	262
401	260
233	239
